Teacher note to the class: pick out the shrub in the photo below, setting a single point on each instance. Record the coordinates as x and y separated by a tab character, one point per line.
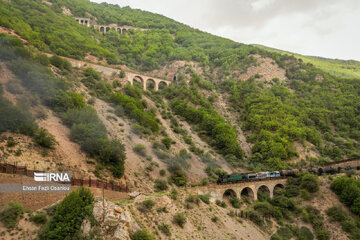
205	198
310	182
122	74
322	234
10	213
174	194
336	214
180	219
177	176
140	149
214	219
305	234
235	202
44	138
148	204
69	215
160	185
162	172
39	218
304	194
255	218
10	142
221	203
142	235
60	63
165	229
167	142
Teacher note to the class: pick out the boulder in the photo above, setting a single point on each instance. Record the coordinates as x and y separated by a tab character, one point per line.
134	194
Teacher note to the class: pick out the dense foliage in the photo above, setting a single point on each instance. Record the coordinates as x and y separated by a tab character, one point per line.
348	189
189	103
313	107
10	213
69	215
166	40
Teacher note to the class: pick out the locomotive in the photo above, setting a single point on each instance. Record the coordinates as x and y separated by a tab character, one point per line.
246	177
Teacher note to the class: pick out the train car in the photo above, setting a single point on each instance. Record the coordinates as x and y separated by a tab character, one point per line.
261	175
233	178
289	173
275	174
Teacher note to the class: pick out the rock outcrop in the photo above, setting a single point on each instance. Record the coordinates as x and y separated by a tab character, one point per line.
114	221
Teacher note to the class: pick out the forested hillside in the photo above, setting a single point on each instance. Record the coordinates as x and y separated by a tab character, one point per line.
337	67
309	107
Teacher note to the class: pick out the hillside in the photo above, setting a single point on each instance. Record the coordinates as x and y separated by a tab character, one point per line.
73	99
336	67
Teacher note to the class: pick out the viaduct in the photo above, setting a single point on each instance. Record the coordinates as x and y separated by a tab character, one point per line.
130	77
243	189
268	186
105	28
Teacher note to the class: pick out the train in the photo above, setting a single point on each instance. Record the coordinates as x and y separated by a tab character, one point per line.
258	176
246	177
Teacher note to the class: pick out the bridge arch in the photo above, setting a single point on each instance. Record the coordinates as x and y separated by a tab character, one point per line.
162	84
262	192
102	29
247	192
107	29
139	81
150	84
229	193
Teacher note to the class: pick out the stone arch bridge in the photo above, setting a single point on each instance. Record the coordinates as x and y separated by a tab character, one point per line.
130	76
239	190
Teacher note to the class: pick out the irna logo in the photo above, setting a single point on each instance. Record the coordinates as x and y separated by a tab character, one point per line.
52	177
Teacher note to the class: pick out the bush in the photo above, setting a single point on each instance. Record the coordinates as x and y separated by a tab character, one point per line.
310	182
142	235
69	215
39	218
122	74
140	149
10	213
221	203
205	198
165	229
44	138
322	234
148	204
60	63
235	202
304	194
214	219
160	185
180	219
174	194
167	142
336	214
177	176
305	234
162	172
